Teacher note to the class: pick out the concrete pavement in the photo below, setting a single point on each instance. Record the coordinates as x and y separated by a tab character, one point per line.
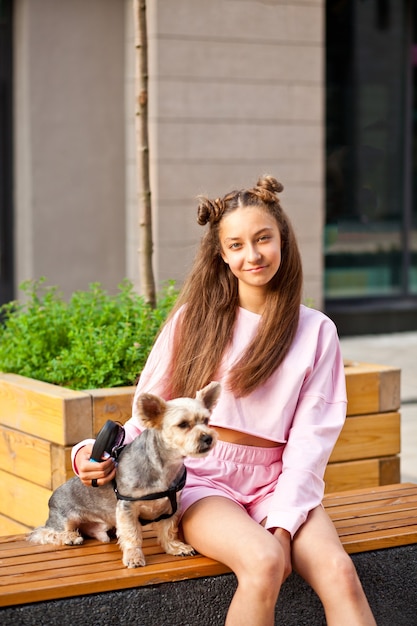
400	350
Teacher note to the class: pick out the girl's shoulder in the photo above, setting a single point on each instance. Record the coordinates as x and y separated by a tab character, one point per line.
314	320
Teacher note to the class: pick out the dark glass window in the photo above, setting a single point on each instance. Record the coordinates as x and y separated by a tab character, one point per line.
367	230
413	218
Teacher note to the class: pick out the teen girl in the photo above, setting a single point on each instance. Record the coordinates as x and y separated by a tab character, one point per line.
255	502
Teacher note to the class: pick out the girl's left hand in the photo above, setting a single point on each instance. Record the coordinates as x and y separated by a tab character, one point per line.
284	538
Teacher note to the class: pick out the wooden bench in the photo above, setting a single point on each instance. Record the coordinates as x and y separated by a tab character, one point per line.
366	520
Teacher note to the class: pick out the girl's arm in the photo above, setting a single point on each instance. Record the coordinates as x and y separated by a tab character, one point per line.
317	422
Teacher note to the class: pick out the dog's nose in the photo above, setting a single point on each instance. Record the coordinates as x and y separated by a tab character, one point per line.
207	440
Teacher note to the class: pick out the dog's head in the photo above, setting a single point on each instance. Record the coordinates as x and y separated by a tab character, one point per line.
183	423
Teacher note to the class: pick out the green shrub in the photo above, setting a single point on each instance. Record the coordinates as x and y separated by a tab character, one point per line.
93	340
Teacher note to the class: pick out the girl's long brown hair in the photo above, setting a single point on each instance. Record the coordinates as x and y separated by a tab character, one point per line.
210	296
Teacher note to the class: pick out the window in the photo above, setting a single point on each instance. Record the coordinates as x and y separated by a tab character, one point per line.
367	226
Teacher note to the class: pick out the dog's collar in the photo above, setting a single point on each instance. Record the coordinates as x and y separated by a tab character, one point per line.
170	493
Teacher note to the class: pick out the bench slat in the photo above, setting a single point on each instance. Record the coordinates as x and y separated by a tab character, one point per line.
82	569
378	518
407	503
367	495
380	539
30	589
366	519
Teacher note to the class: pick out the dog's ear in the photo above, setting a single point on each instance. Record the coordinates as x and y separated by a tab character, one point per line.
151	409
209	395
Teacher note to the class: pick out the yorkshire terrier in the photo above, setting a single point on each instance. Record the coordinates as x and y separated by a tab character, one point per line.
149	477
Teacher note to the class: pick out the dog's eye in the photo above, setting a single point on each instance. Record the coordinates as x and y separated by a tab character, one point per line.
183	425
206	421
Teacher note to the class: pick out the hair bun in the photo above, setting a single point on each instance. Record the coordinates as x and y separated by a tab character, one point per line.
209	211
269	183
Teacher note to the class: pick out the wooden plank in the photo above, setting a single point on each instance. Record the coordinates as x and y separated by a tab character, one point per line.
372	388
111	404
37	565
61	465
368	436
354	516
389	471
67	563
70	563
380	540
22	500
377	519
390	390
401	507
382	496
25	456
57	414
366	473
385	493
10	526
34	459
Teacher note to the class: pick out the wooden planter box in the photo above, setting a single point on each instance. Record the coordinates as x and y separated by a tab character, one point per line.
367	451
40	422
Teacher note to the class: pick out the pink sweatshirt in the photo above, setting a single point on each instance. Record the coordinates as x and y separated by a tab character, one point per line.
303	405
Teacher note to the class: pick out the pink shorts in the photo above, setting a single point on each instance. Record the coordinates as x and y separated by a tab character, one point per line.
245	474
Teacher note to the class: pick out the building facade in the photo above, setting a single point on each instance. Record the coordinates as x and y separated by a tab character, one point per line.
318	94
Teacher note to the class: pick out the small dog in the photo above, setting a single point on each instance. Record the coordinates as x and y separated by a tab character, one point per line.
149	477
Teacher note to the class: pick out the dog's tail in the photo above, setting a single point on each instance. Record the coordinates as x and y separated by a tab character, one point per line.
44	535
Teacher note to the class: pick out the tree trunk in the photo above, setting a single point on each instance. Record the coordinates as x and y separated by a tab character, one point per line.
147	279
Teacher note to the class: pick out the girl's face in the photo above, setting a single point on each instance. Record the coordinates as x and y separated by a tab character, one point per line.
251	245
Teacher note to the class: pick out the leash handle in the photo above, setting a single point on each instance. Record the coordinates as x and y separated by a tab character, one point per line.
109	438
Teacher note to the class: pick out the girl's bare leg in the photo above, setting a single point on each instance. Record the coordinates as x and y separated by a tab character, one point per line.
319	557
222	530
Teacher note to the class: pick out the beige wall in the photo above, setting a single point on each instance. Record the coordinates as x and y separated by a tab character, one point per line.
236	91
69	141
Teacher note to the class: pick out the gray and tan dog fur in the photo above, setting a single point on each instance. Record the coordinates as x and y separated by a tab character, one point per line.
149	464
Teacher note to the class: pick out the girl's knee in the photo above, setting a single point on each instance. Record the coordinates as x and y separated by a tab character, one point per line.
267	567
342	573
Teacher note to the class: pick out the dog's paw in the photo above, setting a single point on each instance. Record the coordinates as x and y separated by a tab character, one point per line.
72	538
178	548
133	557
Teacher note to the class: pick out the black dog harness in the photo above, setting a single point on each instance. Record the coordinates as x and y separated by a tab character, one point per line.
170	493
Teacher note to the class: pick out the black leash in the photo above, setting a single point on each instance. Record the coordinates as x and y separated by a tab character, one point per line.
170	493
